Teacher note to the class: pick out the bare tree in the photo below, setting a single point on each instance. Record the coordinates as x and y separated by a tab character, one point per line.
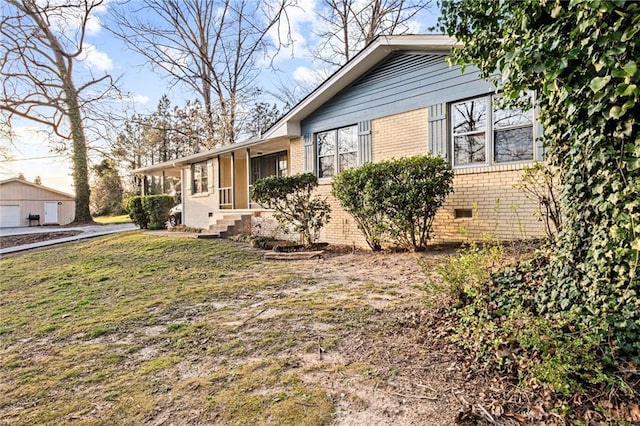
211	46
41	43
347	26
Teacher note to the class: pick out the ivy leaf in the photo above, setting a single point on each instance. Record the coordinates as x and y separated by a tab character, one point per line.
630	68
634	164
598	83
616	112
625	89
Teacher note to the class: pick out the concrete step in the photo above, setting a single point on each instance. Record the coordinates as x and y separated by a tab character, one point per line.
228	224
208	236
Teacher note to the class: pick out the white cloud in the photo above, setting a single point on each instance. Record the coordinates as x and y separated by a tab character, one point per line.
175	58
68	19
95	59
415	27
310	77
141	99
300	18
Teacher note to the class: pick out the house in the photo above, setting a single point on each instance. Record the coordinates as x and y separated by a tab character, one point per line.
20	200
398	97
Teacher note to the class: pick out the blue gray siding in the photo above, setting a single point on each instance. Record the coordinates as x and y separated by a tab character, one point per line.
401	82
364	142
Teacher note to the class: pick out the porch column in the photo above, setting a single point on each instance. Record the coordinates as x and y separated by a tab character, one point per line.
233	180
248	178
219	183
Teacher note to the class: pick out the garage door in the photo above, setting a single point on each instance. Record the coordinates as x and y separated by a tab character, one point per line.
9	216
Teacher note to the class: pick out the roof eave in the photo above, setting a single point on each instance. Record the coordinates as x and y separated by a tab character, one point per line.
356	67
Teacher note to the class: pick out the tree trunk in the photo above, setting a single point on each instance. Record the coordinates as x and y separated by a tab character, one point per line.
78	138
80	167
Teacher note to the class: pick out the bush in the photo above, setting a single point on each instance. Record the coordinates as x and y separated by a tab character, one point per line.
157	209
398	198
504	325
149	211
133	206
358	190
291	198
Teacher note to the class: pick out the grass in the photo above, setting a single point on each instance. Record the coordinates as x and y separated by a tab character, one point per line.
111	220
130	328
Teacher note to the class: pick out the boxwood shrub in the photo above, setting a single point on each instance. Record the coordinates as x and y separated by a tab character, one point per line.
395	200
149	211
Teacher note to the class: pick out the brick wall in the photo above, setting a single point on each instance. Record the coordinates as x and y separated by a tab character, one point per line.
296	156
499	211
400	135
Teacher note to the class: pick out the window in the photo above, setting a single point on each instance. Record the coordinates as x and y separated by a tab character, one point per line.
200	176
269	165
337	150
486	133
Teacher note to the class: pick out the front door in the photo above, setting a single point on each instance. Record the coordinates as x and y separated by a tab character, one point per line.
50	212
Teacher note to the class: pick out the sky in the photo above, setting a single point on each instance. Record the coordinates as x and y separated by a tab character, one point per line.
104	53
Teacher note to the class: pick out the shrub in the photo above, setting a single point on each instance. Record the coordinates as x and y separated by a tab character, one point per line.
397	197
540	183
157	209
358	190
291	198
149	211
503	325
470	269
415	189
133	206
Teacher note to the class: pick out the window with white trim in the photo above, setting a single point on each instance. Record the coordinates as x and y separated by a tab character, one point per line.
200	178
484	133
336	150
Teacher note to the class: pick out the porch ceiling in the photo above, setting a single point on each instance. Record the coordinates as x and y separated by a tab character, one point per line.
262	148
159	170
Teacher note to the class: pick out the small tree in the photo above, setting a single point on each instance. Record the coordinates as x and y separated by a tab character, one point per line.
294	203
540	183
358	190
106	192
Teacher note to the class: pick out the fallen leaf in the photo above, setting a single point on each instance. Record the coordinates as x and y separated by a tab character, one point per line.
634	413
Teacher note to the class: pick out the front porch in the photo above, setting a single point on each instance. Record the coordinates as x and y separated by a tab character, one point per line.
216	184
238	170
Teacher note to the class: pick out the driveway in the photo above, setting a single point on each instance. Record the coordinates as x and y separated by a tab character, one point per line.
88	231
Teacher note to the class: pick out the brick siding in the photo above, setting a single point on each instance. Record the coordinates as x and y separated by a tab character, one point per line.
499	210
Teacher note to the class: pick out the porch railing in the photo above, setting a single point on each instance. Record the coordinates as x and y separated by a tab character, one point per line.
226	201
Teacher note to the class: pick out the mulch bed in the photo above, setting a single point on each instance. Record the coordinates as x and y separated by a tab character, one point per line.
21	239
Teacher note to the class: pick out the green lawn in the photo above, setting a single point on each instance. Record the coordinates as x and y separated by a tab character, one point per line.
137	329
110	220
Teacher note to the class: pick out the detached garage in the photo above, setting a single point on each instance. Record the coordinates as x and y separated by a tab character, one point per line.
21	200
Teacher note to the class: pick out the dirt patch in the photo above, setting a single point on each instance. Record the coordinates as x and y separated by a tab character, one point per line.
147	329
22	239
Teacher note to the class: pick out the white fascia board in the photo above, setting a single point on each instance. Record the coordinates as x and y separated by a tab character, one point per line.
286	128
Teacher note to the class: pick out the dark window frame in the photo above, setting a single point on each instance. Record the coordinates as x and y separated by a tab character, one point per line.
489	131
338	153
281	165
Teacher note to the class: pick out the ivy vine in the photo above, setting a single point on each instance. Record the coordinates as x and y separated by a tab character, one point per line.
581	58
